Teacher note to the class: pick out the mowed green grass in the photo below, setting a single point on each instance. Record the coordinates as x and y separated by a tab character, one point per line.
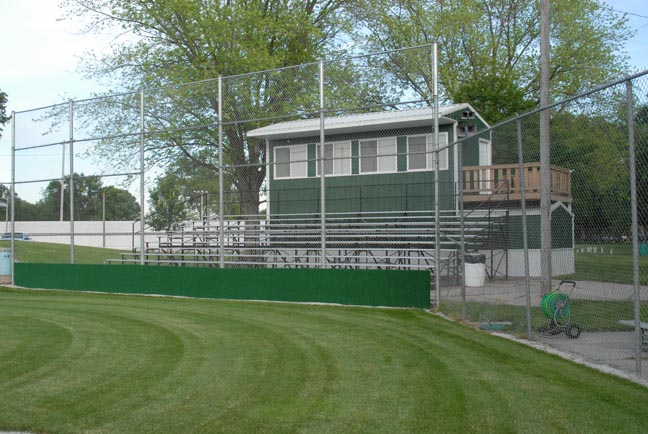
48	253
612	264
72	362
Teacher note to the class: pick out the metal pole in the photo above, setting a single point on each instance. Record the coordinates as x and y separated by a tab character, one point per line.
62	183
221	200
437	219
525	244
71	182
320	162
12	196
200	211
142	180
103	214
268	168
462	225
545	151
207	206
635	225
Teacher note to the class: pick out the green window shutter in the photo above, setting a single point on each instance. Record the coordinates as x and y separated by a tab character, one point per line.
401	149
312	163
355	153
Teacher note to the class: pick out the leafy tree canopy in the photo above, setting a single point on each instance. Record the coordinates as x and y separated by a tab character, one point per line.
88	192
88	201
3	110
169	207
172	42
488	42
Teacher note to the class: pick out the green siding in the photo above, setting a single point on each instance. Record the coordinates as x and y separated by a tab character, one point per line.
408	191
561	231
394	288
470	151
401	191
515	240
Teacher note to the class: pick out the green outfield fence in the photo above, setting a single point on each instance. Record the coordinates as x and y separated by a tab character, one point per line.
390	288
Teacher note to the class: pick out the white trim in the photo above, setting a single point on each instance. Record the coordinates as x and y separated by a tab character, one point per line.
488	159
559	204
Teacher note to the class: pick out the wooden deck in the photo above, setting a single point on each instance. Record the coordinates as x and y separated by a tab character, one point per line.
500	183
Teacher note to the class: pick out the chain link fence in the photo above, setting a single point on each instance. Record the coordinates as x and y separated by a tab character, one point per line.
351	163
598	306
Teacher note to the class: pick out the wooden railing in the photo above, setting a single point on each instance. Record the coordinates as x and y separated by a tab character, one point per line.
501	182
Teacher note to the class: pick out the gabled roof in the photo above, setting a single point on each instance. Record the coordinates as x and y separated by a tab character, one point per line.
359	122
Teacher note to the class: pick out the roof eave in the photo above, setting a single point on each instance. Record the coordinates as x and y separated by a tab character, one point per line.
346	129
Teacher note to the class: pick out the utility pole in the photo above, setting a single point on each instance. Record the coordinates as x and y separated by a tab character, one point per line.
545	151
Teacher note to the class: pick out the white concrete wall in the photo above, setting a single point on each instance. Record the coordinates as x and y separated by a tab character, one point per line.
562	262
118	233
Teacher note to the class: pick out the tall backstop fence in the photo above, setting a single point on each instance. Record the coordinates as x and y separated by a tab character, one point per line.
353	164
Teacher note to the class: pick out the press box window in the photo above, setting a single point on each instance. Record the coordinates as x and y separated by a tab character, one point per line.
290	162
337	158
378	155
420	155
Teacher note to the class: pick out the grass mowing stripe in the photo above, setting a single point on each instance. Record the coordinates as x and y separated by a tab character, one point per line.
28	344
140	364
97	394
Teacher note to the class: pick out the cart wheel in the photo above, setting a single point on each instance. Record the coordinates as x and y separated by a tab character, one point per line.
573	331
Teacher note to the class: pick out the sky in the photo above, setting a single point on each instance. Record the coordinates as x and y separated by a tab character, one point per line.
39	66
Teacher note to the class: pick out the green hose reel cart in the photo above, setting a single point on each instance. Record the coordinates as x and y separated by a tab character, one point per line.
556	306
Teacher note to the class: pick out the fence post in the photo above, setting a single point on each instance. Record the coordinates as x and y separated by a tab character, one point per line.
462	228
12	194
320	163
62	196
546	268
71	182
221	200
525	245
437	220
142	176
635	231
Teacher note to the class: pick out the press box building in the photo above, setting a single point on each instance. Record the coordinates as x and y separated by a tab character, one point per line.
379	193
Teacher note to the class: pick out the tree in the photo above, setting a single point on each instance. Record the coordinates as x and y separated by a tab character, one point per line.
120	204
488	42
641	139
169	207
176	42
192	178
25	211
3	110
